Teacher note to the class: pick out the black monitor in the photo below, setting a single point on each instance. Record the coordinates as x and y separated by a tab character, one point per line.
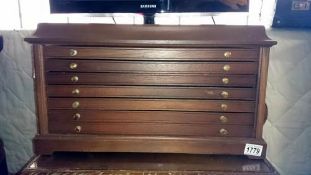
148	6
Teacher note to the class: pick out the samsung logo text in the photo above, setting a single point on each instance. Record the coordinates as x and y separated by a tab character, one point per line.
148	6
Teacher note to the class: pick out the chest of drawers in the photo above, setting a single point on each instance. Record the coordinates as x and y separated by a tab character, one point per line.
162	89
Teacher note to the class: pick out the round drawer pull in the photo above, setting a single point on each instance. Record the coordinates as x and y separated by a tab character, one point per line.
225	80
223	132
75	104
224	94
74	78
224	107
75	92
78	129
227	67
76	116
73	52
223	119
73	66
227	54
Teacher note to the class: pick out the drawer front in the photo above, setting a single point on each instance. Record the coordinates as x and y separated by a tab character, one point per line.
151	129
151	92
101	116
150	66
150	54
151	104
152	79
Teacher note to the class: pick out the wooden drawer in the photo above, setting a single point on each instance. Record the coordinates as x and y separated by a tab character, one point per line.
151	104
151	92
151	129
152	79
101	116
150	66
150	54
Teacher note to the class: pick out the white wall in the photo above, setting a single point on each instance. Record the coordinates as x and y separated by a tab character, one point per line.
288	129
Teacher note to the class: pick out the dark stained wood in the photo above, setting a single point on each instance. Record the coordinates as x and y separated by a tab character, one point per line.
155	144
149	129
158	89
150	35
261	93
152	79
40	88
158	54
101	116
139	164
55	65
151	92
152	104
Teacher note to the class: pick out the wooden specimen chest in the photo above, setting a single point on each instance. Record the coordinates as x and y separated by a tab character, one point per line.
162	89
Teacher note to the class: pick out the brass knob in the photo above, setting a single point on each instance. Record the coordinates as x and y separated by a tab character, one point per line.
78	129
74	78
73	52
75	104
224	107
224	94
223	119
75	92
226	67
223	132
76	116
225	80
73	66
227	54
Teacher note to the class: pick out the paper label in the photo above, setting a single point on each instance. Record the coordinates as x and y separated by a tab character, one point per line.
253	150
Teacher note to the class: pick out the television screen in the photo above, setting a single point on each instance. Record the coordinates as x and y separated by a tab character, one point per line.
209	5
147	6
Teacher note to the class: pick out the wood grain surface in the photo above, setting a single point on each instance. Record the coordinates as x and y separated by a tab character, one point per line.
152	79
149	129
104	116
189	54
152	104
56	65
151	92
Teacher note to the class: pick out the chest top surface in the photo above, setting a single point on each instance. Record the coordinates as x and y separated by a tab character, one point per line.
150	35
